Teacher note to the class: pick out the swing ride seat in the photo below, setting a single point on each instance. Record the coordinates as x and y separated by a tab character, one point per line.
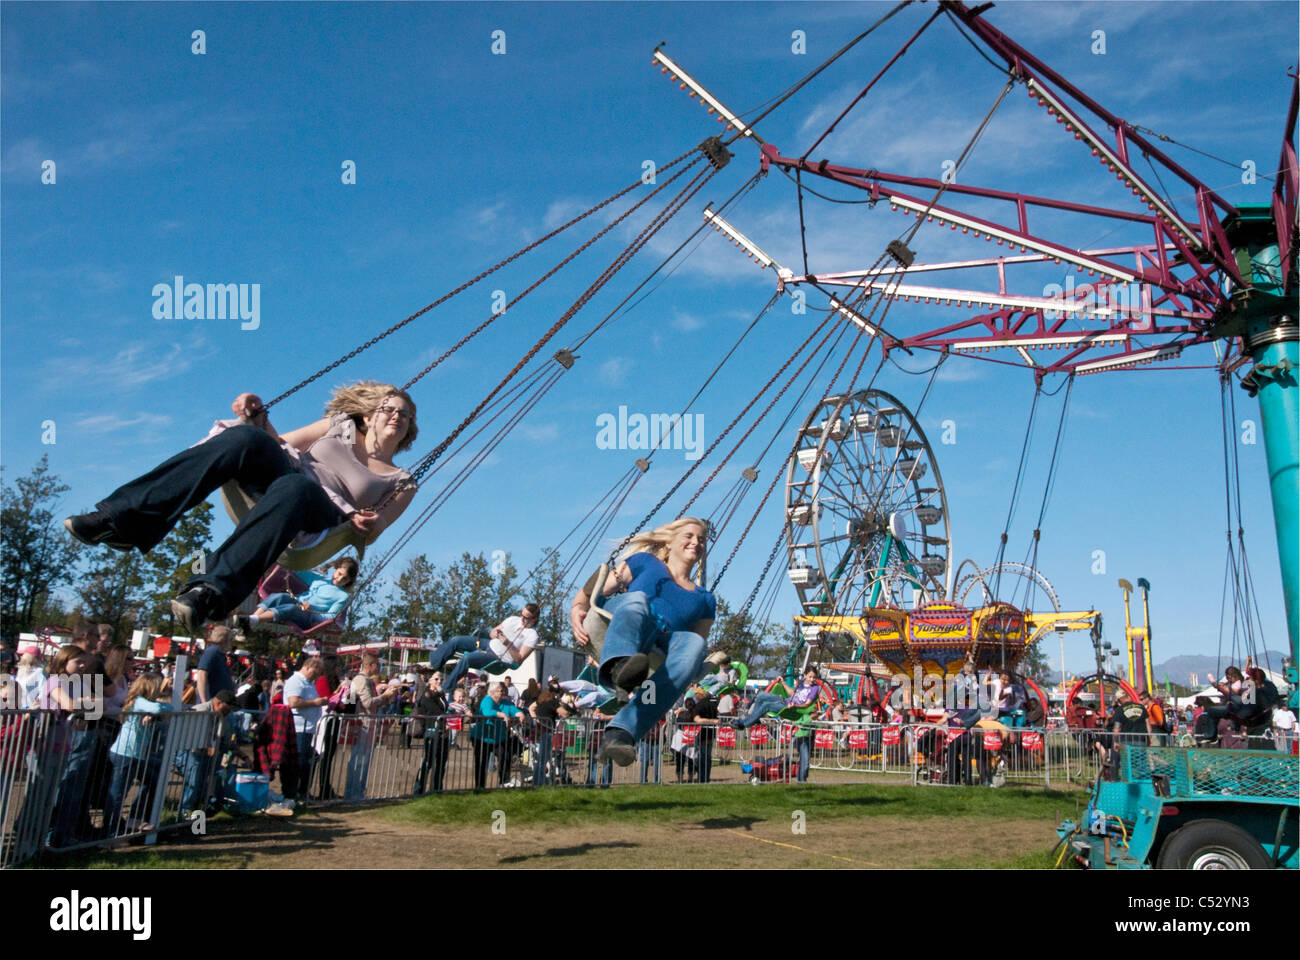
283	580
495	667
308	549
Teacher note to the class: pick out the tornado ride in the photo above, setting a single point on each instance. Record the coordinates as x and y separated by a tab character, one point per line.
869	545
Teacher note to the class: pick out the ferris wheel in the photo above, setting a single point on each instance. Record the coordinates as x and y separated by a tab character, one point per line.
866	514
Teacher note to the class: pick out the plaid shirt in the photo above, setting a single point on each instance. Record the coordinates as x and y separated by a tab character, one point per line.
275	745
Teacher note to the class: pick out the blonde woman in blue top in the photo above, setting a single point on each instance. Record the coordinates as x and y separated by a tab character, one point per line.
655	605
137	751
324	600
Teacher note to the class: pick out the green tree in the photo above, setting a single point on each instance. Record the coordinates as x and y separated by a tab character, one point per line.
171	564
114	588
547	590
415	602
36	554
763	646
364	611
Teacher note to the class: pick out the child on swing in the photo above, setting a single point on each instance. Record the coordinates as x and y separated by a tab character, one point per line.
324	600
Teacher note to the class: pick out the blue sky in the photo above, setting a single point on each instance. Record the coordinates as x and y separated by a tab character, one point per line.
226	168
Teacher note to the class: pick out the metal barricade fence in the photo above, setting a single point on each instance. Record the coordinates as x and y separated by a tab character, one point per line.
62	786
66	783
955	756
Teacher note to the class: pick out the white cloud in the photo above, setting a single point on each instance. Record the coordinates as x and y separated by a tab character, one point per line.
541	433
129	137
110	423
490	214
132	366
613	371
686	322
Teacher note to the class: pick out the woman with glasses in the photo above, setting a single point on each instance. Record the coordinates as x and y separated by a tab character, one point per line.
312	479
511	642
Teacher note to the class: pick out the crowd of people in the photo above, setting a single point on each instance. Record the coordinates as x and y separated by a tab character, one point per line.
296	719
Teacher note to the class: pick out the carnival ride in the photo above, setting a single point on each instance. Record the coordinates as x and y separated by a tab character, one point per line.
1225	274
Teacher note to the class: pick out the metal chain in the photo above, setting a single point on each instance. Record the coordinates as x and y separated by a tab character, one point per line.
619	262
713	446
546	276
443	299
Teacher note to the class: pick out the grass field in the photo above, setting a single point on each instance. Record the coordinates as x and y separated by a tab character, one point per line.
781	827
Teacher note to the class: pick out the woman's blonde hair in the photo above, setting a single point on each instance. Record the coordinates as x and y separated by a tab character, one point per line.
655	542
147	685
363	398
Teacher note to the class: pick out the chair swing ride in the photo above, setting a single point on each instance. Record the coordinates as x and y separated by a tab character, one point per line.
866	531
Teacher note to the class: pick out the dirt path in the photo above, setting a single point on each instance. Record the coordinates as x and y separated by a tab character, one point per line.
361	839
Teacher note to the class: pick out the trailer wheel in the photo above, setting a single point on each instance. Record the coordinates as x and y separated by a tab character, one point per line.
1212	845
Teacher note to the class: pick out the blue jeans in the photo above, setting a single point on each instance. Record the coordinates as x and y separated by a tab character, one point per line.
545	747
804	745
125	770
195	765
449	648
763	703
69	812
633	629
306	761
476	659
648	748
145	510
288	610
359	765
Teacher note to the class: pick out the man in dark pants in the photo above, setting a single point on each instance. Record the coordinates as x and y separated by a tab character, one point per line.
431	706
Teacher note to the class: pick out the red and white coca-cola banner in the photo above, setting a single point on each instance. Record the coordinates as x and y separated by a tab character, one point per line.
727	737
890	736
1031	740
689	734
454	723
823	739
758	736
858	739
993	741
951	733
787	733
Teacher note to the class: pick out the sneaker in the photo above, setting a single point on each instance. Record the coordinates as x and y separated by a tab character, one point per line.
617	746
279	810
94	529
717	658
631	672
194	607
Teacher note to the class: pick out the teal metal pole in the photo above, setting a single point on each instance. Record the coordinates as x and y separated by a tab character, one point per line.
1279	411
1268	325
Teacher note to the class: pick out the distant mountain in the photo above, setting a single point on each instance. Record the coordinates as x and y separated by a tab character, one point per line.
1179	669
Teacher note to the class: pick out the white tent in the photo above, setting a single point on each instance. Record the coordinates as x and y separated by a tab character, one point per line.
1184	702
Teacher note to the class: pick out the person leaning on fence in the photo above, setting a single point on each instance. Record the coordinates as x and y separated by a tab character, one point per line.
491	737
1127	721
197	763
370	699
301	697
136	753
65	695
275	749
30	677
654	605
212	675
329	684
429	724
